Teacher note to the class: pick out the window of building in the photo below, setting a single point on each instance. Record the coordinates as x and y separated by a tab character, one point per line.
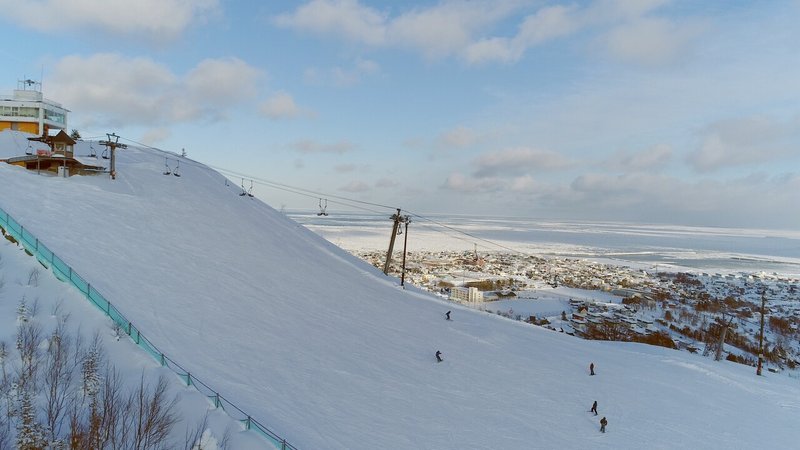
53	116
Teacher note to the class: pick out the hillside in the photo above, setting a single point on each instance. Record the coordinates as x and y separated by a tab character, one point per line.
329	353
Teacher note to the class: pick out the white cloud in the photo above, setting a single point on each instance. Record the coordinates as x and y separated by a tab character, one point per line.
746	141
111	90
346	18
629	30
440	30
546	24
386	183
653	158
448	27
310	146
651	41
152	19
345	168
471	185
355	186
519	160
155	135
342	76
458	137
747	201
281	105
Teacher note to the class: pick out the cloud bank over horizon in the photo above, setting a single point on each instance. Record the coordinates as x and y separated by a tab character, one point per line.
649	111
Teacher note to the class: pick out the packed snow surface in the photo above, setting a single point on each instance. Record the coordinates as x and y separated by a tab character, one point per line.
331	354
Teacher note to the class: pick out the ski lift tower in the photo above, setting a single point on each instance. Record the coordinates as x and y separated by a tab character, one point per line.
113	144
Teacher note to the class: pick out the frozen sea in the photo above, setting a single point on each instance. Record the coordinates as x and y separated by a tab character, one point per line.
664	247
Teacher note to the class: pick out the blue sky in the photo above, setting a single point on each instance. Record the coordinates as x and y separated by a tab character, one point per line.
679	112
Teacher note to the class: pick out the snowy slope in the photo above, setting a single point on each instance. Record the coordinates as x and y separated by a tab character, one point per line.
329	353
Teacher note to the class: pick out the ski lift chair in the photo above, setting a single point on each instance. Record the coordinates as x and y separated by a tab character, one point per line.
323	209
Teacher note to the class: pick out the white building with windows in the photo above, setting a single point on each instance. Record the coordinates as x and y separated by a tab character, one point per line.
28	111
466	294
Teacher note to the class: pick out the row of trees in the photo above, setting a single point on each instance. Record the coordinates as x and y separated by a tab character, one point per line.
59	391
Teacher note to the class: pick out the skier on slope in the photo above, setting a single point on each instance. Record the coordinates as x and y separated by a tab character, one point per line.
447	314
603	423
594	408
591	368
438	356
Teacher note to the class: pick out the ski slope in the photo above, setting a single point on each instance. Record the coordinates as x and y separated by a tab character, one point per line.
331	354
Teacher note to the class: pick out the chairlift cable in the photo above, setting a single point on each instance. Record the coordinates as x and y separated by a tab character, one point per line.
336	199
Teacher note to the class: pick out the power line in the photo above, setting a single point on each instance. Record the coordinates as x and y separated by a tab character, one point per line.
465	233
341	200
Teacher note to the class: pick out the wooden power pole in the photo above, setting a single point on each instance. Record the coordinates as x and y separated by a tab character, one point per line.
396	217
113	145
406	221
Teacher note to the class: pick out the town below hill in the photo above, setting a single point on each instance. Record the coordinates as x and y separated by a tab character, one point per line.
718	315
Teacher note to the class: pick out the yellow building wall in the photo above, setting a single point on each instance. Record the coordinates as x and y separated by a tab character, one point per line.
26	127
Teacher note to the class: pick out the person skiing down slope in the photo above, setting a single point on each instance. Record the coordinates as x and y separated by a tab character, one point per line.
594	408
603	423
591	368
439	356
447	314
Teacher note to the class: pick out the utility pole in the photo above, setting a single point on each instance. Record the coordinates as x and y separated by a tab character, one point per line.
724	324
405	244
761	335
113	145
396	217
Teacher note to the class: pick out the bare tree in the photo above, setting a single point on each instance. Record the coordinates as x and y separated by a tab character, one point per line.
155	416
58	373
31	434
29	335
194	435
33	277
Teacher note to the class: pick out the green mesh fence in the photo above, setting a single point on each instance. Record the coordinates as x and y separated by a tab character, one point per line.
64	272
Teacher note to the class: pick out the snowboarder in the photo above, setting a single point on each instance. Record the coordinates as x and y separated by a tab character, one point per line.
603	423
438	356
594	408
447	314
591	368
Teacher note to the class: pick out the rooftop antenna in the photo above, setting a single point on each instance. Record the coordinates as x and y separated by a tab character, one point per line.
27	83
